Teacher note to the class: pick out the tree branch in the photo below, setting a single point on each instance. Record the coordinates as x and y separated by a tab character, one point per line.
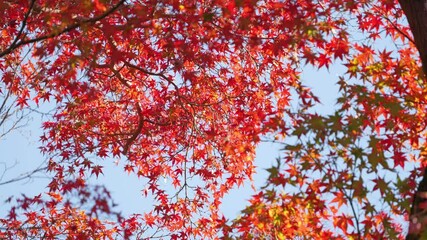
16	44
24	23
23	176
137	130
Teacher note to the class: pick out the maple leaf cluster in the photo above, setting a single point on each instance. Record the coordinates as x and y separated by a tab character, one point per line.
186	90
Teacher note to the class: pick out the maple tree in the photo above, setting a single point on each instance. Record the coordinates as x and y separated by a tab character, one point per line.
186	90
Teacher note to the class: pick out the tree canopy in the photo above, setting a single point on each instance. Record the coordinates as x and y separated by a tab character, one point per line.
186	90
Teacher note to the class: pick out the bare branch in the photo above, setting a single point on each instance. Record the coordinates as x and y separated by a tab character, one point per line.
24	176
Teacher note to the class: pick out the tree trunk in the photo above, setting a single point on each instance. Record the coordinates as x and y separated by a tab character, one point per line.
416	13
418	216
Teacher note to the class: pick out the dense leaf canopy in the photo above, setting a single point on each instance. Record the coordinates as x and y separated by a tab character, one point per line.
186	90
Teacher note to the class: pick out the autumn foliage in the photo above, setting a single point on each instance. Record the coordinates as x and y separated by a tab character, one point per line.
186	90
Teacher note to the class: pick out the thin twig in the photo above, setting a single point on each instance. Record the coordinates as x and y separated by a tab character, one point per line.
23	176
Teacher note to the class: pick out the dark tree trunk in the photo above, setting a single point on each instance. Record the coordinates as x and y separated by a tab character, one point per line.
416	13
418	214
